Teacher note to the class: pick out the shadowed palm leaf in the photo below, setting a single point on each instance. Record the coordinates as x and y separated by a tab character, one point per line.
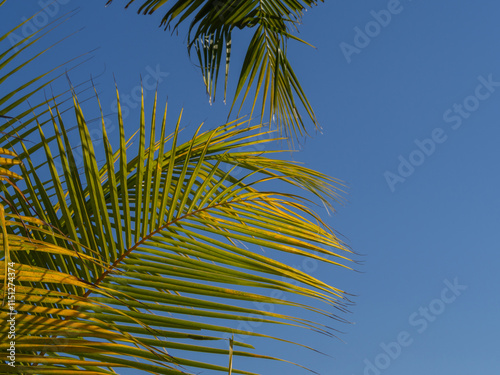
265	67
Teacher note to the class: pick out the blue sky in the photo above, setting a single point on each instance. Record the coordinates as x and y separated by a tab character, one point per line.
411	121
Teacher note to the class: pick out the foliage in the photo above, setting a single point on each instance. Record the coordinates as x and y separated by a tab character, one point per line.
265	67
151	257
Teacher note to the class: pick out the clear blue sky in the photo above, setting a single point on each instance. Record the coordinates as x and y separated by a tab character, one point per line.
411	119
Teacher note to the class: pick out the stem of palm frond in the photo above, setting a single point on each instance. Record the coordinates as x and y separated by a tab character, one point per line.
231	345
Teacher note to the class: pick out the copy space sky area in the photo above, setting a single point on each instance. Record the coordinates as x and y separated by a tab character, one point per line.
408	95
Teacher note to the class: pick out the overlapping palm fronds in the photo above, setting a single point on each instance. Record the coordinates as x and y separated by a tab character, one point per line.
154	256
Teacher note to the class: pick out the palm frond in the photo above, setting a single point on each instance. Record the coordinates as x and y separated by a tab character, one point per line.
164	244
266	67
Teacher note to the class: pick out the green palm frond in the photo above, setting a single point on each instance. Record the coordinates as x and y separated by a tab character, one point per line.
266	66
15	62
163	245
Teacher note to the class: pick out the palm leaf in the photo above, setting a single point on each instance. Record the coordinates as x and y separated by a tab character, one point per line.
18	124
191	263
266	67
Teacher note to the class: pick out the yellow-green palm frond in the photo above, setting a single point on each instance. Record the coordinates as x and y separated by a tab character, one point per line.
164	245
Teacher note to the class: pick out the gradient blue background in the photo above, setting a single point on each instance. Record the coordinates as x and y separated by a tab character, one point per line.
442	223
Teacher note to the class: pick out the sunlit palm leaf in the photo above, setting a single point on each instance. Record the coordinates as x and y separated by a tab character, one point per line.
188	259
